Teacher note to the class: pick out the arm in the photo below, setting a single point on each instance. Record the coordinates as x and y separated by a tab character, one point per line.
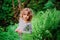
19	28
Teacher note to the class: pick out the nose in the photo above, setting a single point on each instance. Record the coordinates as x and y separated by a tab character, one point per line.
26	16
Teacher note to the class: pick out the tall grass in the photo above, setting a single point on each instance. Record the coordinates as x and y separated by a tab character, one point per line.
10	34
45	24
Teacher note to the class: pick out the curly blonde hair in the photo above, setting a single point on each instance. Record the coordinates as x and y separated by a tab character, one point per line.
29	13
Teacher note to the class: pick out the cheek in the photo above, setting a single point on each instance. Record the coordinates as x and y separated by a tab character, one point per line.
28	17
24	15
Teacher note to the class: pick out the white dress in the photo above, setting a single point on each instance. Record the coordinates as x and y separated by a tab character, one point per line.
25	27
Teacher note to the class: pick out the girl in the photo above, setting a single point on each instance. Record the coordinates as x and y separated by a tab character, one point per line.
25	22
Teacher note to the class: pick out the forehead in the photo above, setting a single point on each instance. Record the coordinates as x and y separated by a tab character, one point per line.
26	12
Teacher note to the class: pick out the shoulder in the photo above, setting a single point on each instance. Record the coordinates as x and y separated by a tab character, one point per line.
30	24
20	20
21	23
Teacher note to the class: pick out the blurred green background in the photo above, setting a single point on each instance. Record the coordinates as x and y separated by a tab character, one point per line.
45	21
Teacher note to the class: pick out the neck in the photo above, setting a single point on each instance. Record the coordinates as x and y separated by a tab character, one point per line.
26	21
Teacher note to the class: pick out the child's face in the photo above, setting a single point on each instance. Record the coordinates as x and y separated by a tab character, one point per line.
26	16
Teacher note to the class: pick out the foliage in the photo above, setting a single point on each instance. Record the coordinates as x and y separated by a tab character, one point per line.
45	27
6	12
10	34
6	8
49	5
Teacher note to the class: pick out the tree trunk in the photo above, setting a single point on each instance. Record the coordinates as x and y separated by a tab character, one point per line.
13	5
26	3
19	5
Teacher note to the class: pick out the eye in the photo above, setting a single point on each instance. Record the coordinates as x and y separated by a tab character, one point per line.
24	14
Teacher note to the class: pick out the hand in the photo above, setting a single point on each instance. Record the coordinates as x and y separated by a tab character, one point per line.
16	30
20	31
